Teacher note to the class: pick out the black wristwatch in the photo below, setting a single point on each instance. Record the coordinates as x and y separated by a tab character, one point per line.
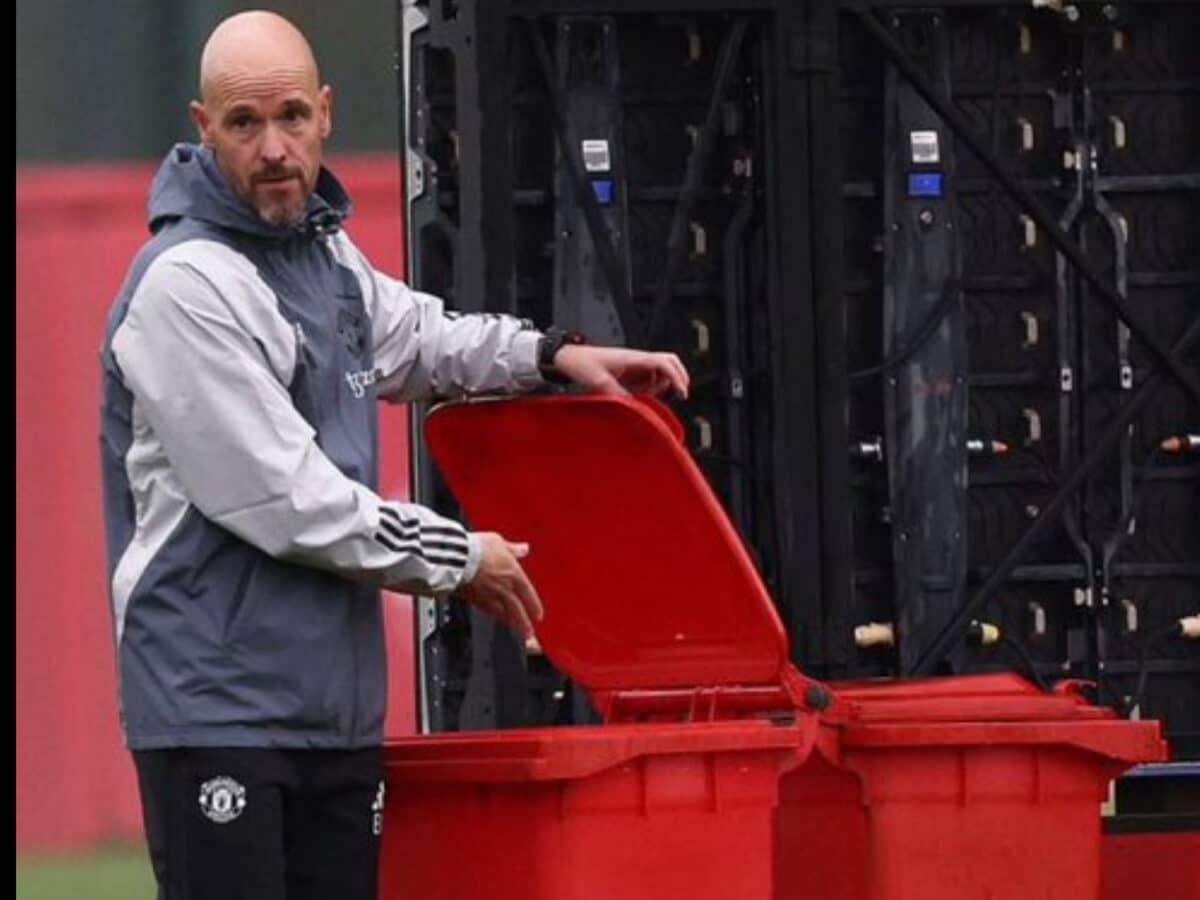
554	339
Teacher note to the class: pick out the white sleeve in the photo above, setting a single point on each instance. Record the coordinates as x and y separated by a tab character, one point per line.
423	351
247	458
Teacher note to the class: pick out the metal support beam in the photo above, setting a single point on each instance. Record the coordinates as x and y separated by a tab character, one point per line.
925	401
819	68
794	399
1061	240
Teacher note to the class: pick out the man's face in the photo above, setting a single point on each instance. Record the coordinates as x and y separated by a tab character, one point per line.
267	131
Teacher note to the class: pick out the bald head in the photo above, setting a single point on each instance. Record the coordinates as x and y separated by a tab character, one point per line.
264	113
251	44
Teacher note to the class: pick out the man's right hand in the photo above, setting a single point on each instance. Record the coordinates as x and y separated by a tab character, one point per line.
501	588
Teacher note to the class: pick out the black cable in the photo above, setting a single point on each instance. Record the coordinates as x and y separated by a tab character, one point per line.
1004	641
921	334
1023	654
1120	532
1175	629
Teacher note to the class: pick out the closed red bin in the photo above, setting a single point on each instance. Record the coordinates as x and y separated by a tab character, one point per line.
580	814
653	605
974	787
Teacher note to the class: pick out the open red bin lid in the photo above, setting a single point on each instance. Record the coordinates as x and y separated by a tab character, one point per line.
646	583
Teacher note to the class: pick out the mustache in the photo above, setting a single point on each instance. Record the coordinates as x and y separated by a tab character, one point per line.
275	174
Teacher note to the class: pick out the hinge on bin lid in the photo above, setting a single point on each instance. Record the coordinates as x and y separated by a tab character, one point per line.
807	693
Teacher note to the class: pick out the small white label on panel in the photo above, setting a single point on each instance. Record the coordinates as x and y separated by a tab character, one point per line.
924	146
595	156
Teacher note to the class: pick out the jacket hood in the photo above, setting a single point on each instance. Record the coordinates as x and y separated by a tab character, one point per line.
189	184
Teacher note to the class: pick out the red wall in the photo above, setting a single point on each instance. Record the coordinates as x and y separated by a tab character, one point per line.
77	229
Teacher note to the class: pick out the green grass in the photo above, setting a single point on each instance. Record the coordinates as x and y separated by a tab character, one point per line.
112	873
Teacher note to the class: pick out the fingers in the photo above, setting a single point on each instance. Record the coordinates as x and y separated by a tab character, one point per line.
678	374
505	608
501	588
662	380
653	373
616	371
527	597
516	616
669	371
518	603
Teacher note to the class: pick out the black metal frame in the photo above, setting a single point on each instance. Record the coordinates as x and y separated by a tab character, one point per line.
812	486
1061	240
1172	358
797	52
957	628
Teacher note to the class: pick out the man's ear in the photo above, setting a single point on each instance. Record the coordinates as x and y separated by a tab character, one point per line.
202	119
325	111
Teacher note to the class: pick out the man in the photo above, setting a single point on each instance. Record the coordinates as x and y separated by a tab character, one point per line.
246	541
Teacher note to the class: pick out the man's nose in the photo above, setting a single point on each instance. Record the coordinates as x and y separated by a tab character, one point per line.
272	150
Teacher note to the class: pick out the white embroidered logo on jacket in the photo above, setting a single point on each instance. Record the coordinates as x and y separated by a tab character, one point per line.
361	380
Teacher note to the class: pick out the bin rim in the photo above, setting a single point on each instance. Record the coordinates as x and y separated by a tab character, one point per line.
574	752
1133	742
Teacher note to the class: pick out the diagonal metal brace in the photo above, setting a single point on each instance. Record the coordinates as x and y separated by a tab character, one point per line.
1189	378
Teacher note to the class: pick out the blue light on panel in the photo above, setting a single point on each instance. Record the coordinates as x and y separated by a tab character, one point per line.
604	191
925	184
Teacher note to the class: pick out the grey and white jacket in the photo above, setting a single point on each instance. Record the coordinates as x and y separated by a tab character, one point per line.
246	540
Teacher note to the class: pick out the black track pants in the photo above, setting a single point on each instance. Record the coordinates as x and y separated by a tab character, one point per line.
242	824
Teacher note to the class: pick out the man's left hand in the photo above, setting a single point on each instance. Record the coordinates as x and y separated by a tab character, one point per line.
617	370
